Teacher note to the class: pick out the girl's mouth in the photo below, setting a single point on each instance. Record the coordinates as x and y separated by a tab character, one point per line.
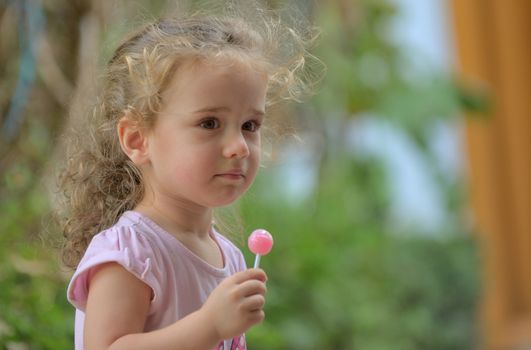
234	174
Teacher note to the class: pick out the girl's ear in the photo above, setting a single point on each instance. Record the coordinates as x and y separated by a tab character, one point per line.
133	140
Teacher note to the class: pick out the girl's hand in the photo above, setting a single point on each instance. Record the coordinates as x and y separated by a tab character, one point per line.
237	303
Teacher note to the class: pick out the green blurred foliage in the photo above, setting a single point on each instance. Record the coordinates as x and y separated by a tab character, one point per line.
33	310
341	276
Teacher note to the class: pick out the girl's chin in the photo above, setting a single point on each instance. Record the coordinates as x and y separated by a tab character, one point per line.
223	202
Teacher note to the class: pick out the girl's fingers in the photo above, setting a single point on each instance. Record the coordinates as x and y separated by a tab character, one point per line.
251	287
254	303
249	274
256	316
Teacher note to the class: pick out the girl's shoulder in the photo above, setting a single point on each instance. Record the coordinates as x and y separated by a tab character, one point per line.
130	232
230	250
127	243
224	241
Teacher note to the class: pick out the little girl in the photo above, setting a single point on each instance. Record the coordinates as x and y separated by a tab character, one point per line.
176	133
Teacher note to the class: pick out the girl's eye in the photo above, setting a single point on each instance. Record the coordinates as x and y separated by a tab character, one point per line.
251	126
209	124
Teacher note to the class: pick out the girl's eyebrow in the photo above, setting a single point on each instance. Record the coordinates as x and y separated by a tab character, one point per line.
226	109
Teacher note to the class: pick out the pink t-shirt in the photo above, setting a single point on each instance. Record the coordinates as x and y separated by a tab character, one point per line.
180	280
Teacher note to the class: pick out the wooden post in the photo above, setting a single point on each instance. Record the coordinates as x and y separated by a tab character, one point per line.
493	41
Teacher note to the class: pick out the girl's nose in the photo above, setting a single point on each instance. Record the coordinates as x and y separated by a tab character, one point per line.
236	146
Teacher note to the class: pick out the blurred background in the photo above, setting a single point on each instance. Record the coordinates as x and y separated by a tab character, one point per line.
401	216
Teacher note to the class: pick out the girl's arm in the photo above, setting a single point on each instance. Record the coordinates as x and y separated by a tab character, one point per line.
118	304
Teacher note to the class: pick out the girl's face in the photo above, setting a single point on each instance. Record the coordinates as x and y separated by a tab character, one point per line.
204	148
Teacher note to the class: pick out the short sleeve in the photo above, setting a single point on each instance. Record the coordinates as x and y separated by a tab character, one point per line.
122	245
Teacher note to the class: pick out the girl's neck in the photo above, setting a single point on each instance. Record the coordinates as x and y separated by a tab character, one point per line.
178	218
188	224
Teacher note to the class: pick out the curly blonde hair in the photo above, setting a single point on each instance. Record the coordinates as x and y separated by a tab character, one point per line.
98	182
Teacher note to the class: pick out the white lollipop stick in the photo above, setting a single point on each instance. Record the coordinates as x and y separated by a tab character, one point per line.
257	261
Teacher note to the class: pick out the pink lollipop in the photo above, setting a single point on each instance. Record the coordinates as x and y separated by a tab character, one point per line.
260	243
